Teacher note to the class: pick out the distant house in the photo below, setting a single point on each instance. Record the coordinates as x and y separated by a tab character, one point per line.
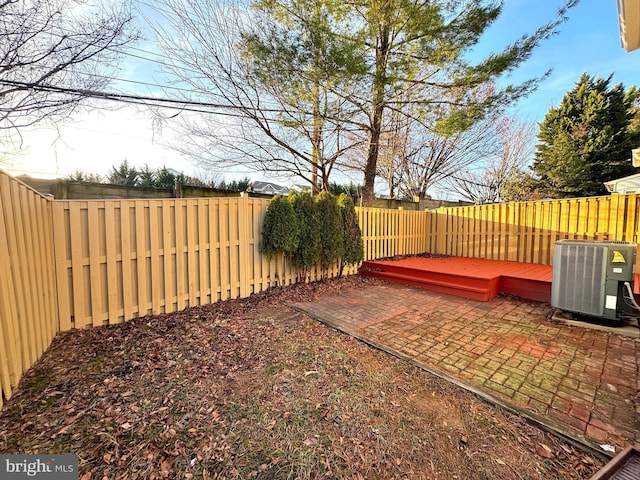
269	188
300	188
630	184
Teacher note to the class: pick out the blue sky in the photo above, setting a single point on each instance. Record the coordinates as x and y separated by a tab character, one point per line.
588	42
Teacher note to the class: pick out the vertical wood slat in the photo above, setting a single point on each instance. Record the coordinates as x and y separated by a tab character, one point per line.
214	249
225	277
114	281
95	274
141	209
127	278
28	287
247	260
79	318
203	264
168	229
156	268
182	292
60	235
46	213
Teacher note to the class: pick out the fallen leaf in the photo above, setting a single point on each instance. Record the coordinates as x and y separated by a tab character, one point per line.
544	450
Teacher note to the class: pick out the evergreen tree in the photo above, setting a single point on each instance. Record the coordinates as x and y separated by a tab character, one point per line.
307	254
147	176
300	54
420	48
353	247
587	140
279	230
124	174
165	179
331	233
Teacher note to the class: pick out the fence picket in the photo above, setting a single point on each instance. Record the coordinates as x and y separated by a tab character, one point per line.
127	278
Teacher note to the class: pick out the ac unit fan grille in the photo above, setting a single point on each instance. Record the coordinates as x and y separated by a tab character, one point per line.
579	278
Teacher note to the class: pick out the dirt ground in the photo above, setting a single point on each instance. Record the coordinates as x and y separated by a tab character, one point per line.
252	389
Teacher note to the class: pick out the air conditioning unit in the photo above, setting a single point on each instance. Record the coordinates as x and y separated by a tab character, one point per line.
593	277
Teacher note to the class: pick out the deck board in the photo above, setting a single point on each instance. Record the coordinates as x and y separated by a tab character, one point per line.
475	278
463	276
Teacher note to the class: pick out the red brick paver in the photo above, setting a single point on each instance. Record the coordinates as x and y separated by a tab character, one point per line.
583	381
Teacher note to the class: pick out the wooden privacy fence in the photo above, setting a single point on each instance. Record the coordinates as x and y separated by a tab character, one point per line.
28	299
527	231
72	264
387	233
120	259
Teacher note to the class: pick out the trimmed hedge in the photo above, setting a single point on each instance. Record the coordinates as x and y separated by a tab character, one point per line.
331	233
353	247
321	230
307	253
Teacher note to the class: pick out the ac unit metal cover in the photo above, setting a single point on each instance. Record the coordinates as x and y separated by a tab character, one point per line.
589	276
579	275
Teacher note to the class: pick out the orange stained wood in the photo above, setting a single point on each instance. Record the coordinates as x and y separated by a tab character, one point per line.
476	267
474	278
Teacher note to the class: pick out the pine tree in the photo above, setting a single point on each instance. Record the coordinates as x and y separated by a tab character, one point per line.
420	47
587	140
124	174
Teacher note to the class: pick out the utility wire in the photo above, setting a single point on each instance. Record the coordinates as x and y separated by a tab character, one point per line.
172	103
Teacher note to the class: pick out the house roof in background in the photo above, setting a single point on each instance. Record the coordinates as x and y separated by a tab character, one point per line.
630	181
269	187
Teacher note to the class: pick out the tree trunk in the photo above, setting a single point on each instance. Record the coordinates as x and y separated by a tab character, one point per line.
315	139
373	148
377	111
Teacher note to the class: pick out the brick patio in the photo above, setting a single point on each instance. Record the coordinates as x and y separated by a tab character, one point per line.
579	382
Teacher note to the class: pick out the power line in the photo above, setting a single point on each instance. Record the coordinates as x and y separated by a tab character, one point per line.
66	34
171	103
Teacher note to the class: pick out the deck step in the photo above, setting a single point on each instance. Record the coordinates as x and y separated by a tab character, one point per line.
459	285
474	278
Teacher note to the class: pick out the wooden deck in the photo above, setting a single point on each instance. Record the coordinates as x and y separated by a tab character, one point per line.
473	278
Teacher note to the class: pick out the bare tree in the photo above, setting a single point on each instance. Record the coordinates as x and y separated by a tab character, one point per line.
412	157
488	184
49	44
261	71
